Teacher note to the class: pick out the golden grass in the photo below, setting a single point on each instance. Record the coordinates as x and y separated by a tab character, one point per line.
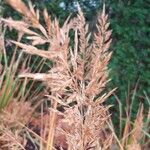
75	82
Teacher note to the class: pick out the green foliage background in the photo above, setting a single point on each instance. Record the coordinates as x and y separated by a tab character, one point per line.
130	22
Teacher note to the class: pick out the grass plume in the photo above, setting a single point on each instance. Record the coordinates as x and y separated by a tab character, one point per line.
75	82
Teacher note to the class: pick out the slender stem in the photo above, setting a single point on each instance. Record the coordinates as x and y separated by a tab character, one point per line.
52	121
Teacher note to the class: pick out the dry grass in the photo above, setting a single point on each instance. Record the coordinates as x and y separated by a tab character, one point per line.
134	133
75	82
16	101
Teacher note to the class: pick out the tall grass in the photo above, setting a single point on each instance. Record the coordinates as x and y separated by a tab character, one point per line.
16	101
75	117
77	77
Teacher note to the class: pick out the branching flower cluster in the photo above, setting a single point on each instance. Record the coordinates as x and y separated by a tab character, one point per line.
77	77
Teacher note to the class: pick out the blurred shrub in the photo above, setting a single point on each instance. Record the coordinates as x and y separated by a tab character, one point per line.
130	61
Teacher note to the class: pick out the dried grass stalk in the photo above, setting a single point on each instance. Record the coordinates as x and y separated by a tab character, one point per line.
78	75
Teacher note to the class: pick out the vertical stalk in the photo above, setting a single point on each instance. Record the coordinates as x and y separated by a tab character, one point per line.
52	122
